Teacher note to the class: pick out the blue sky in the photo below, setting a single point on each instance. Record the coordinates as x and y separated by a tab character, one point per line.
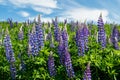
21	10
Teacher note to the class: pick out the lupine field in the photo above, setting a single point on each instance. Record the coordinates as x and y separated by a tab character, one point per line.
35	50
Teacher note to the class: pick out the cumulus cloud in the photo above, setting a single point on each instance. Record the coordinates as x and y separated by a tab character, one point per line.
44	6
86	14
24	13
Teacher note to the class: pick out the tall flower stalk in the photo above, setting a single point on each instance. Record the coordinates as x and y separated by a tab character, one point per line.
51	65
114	37
10	54
101	32
68	65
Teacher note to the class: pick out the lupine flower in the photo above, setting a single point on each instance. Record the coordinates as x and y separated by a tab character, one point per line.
87	73
86	34
33	43
20	34
8	49
65	37
40	35
60	51
56	30
101	32
13	71
80	42
51	65
68	65
114	38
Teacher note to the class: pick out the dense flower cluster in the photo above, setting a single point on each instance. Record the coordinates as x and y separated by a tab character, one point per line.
86	34
33	43
10	55
39	35
101	32
68	65
51	65
56	30
60	51
80	41
8	49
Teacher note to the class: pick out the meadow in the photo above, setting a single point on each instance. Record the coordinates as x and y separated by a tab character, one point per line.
35	50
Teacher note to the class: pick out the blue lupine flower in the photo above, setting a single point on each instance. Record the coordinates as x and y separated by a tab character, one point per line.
51	65
61	51
8	49
101	32
33	43
68	65
13	71
80	42
40	35
86	34
87	73
56	30
114	37
65	38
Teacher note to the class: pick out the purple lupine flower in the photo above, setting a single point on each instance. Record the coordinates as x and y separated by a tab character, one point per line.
8	49
86	34
87	73
68	65
101	32
33	43
20	34
114	38
80	42
56	30
35	47
51	65
13	71
65	38
61	51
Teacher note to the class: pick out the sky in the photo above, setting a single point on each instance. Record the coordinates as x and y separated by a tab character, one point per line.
81	10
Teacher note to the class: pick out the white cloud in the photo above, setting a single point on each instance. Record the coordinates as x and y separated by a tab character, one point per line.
43	3
86	14
43	10
44	6
24	13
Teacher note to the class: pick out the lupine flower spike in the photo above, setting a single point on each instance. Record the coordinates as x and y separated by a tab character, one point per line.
51	65
101	32
87	73
68	65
